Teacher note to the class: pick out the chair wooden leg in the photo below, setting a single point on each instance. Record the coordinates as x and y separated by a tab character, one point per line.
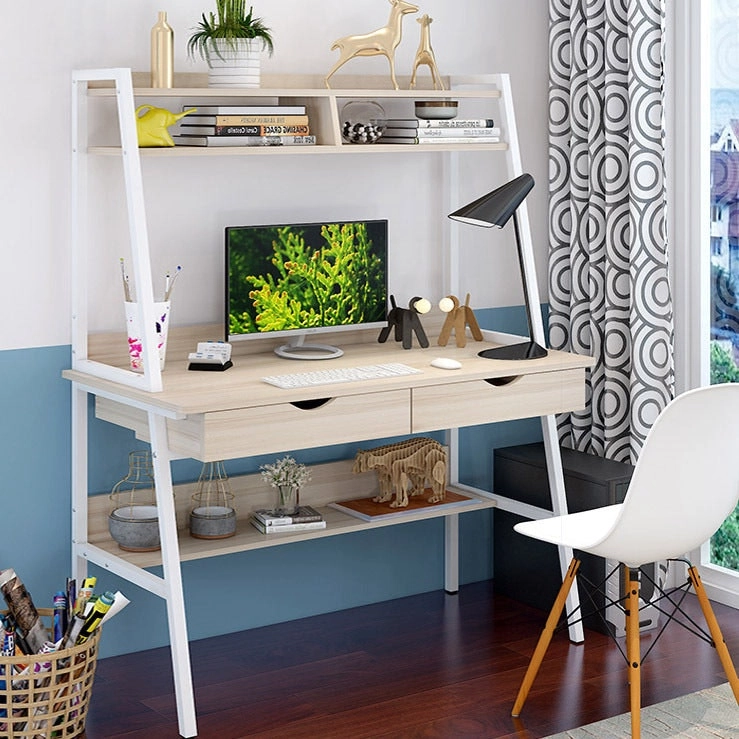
633	652
713	627
546	637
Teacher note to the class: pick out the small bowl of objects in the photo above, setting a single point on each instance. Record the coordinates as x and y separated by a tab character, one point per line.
436	109
362	122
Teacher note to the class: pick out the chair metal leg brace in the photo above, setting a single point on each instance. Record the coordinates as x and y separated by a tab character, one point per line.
713	627
546	637
633	651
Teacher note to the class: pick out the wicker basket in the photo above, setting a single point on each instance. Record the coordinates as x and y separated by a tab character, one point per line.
54	702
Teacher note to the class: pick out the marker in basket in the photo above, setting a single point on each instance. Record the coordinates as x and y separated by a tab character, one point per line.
101	607
88	585
73	631
59	624
71	596
7	649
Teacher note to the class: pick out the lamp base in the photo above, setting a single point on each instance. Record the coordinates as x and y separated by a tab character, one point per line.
527	350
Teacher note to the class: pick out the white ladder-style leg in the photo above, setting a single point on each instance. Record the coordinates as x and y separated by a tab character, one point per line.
173	594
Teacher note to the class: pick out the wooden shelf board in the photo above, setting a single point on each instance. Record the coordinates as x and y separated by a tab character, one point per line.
379	148
248	538
287	86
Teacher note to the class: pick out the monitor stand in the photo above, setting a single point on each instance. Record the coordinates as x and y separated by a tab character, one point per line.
301	350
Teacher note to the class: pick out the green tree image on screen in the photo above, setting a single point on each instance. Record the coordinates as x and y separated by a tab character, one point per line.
301	285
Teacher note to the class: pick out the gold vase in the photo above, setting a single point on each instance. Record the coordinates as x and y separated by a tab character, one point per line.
162	53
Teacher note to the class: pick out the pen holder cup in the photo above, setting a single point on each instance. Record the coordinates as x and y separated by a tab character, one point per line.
48	694
135	341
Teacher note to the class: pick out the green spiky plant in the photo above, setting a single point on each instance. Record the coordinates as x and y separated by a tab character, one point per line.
230	22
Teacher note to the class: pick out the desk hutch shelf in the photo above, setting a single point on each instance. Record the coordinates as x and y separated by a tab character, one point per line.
207	416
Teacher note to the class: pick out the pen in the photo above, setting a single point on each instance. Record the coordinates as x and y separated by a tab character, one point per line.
169	284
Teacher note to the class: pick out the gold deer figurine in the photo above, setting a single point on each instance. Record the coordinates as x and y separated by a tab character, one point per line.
425	54
382	41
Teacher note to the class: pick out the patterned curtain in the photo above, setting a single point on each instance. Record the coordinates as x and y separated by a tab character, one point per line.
609	290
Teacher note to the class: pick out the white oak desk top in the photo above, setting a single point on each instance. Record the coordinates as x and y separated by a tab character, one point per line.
189	392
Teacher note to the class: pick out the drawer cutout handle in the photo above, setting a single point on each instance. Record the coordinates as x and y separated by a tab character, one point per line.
309	405
501	381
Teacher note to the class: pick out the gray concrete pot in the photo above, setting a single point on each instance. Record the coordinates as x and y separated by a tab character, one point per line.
135	528
212	522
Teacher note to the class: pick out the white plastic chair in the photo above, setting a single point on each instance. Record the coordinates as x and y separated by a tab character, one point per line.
685	483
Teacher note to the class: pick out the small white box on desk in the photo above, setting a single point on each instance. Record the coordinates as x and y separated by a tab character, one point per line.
211	355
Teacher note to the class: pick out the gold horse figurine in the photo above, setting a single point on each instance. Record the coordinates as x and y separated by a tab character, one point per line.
382	41
425	54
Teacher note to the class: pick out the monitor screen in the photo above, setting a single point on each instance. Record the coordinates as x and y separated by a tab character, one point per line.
300	279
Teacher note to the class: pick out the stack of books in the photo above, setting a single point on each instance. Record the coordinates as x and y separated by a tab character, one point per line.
447	131
245	125
306	519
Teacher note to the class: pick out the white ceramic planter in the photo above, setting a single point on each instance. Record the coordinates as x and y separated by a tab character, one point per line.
235	65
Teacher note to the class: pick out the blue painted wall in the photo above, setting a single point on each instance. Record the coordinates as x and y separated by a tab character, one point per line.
227	593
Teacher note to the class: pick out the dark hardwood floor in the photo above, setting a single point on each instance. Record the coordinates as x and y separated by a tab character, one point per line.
433	665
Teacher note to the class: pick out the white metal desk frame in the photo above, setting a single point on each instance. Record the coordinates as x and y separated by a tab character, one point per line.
169	587
507	123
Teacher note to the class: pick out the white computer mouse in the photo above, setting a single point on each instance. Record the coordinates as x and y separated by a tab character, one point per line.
445	363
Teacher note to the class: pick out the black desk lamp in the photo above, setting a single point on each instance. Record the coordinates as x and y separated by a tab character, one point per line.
496	209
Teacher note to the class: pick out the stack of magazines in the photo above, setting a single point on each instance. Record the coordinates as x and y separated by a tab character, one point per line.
446	131
245	125
306	519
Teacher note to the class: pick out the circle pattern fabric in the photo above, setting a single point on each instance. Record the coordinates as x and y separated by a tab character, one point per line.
609	289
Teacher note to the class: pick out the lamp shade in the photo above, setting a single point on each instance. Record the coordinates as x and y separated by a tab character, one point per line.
496	208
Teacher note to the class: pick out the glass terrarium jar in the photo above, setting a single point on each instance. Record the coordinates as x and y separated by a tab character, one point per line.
133	521
362	121
213	515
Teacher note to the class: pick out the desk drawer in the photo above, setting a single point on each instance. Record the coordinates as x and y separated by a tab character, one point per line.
274	428
243	432
478	401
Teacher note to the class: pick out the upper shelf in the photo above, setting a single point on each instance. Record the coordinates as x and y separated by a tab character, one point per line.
323	105
290	86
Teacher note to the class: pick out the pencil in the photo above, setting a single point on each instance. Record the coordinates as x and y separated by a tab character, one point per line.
169	284
126	290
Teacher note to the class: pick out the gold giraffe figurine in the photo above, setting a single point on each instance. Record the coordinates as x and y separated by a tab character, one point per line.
383	41
425	54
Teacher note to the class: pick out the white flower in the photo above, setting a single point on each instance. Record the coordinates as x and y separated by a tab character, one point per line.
285	471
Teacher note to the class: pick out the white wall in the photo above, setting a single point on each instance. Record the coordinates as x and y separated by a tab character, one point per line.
190	201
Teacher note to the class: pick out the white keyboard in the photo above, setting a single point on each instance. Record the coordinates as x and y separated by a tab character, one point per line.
340	374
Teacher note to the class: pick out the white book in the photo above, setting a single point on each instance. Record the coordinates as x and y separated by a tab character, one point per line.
249	109
244	140
437	141
434	133
305	514
440	123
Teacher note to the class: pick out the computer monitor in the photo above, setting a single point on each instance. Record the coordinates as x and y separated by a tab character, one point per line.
299	279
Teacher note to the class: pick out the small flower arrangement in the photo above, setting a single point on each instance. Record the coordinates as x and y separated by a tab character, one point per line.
285	471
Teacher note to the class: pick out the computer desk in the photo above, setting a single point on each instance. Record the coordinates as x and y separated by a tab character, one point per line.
212	416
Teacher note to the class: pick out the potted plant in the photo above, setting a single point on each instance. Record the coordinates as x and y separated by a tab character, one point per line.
286	476
231	40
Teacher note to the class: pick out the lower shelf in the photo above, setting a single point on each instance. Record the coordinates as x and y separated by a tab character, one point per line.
329	483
